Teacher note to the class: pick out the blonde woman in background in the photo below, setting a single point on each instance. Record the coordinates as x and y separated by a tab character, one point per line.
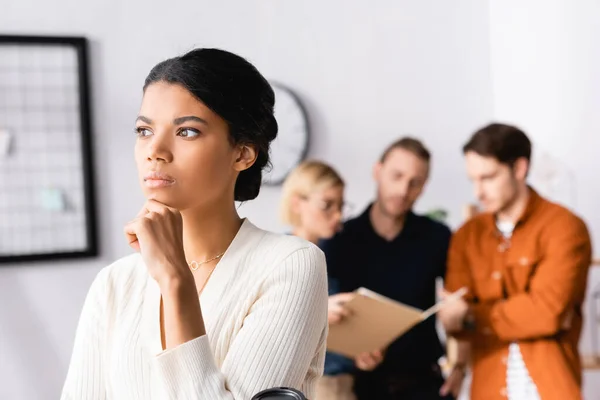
313	206
313	201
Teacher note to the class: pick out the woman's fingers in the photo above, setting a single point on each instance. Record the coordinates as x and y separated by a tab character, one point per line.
132	231
131	237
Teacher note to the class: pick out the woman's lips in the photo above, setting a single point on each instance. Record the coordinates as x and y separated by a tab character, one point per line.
158	183
157	180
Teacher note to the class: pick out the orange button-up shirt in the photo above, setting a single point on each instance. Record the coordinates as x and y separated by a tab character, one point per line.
528	290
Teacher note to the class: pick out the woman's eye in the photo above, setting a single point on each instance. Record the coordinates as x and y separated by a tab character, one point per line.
328	205
143	132
188	133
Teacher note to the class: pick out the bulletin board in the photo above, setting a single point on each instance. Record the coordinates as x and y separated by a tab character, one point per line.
47	206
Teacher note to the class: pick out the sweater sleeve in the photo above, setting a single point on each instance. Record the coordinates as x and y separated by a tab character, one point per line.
87	369
276	346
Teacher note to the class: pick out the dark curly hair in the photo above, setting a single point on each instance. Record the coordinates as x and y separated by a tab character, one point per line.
234	89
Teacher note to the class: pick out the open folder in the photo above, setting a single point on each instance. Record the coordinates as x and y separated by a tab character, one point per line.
375	322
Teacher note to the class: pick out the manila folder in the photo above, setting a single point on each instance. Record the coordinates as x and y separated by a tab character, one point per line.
375	322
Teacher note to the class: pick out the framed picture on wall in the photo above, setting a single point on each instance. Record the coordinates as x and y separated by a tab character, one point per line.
47	208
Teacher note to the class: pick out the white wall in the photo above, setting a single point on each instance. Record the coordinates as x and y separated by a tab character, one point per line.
367	71
545	63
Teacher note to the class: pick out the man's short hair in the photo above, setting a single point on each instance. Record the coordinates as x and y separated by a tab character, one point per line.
505	143
409	144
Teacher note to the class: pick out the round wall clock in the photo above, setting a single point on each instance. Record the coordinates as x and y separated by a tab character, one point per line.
291	145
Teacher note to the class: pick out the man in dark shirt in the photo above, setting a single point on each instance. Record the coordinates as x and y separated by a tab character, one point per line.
398	254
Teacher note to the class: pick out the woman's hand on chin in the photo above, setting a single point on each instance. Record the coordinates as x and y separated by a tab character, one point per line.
157	233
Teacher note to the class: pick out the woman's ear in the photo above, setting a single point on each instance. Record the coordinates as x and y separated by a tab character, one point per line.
296	209
245	157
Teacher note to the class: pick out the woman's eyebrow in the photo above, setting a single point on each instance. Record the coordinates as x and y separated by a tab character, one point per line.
181	120
145	120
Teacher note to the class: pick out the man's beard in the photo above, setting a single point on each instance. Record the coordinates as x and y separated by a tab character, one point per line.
390	214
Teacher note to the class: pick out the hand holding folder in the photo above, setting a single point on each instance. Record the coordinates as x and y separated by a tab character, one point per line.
375	321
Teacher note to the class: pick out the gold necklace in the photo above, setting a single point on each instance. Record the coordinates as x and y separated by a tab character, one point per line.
194	265
206	280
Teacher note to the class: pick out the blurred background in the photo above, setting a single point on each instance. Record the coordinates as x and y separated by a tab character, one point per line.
366	72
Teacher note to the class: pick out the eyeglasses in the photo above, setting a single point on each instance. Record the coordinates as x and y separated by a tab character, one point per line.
330	207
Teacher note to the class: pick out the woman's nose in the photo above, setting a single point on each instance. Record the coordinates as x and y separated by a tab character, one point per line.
159	149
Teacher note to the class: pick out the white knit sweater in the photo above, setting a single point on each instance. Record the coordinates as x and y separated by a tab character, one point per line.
265	312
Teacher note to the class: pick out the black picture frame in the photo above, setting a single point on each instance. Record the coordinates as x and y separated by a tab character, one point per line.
81	47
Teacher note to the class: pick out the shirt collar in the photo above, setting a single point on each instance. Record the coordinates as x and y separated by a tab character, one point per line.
532	205
410	223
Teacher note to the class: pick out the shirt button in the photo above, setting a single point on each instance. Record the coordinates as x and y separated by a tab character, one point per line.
496	275
503	392
501	247
524	261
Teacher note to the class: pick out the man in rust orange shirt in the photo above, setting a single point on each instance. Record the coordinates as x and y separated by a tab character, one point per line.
524	262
